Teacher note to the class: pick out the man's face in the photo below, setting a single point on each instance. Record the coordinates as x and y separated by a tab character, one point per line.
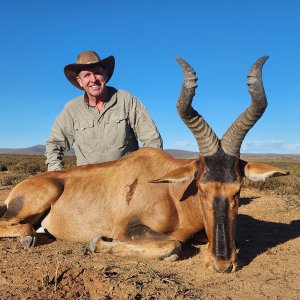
93	80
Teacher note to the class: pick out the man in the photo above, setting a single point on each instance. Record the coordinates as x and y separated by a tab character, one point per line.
104	123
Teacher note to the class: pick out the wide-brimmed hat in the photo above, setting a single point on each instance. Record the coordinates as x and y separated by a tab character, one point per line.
88	58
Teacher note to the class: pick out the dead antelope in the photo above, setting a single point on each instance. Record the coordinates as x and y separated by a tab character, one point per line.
149	203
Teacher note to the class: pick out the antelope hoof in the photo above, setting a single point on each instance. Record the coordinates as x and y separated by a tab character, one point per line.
172	257
28	241
90	247
173	254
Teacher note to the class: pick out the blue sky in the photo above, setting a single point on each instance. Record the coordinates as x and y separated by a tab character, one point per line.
220	39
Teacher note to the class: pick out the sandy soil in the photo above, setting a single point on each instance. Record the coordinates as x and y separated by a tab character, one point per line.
268	237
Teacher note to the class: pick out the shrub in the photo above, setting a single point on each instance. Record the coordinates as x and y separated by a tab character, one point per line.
11	179
3	167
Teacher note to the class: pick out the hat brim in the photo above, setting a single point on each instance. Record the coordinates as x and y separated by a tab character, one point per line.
71	71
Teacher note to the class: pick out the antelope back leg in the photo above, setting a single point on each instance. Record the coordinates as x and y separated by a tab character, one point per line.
28	201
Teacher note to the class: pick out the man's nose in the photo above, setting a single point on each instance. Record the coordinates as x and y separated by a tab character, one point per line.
94	77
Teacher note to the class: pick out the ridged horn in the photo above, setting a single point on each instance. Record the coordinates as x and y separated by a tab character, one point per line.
232	139
207	140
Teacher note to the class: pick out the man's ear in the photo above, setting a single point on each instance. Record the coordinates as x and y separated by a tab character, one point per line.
180	175
79	80
105	75
259	171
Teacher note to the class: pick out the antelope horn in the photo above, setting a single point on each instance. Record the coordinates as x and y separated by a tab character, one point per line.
232	139
207	140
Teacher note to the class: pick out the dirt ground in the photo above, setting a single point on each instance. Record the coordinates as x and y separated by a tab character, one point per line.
268	237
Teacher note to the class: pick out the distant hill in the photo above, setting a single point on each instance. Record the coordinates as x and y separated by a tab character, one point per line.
41	149
182	153
37	149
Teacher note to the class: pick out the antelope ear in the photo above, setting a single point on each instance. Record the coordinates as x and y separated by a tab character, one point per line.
180	175
259	171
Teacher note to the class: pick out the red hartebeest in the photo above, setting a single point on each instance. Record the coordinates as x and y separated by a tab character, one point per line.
149	203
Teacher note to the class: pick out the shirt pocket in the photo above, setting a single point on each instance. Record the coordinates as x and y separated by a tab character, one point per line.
117	131
85	135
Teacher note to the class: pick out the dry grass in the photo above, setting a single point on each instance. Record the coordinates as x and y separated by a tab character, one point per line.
289	186
15	167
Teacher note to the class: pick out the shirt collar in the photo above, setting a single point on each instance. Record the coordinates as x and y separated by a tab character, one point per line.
108	101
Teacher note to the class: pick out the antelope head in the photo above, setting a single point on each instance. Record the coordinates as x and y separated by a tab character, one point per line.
220	176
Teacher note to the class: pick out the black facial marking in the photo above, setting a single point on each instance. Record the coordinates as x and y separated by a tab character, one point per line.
221	245
219	167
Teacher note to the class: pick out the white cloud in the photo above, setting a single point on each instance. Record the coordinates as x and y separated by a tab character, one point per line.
182	144
261	145
270	147
295	148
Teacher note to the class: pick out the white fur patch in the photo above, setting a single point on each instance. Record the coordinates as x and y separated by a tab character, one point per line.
41	230
264	176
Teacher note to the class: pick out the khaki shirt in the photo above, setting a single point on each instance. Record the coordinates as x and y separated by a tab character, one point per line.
101	136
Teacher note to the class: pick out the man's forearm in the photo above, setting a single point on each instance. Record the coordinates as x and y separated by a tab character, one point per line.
54	154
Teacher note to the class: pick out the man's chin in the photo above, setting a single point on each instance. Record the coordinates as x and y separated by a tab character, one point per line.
94	93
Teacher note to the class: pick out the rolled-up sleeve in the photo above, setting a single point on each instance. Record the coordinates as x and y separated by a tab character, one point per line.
60	140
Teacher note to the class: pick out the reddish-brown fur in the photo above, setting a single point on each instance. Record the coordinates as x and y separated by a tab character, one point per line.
105	199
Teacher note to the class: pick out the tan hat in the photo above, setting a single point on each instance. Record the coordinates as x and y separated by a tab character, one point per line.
88	58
